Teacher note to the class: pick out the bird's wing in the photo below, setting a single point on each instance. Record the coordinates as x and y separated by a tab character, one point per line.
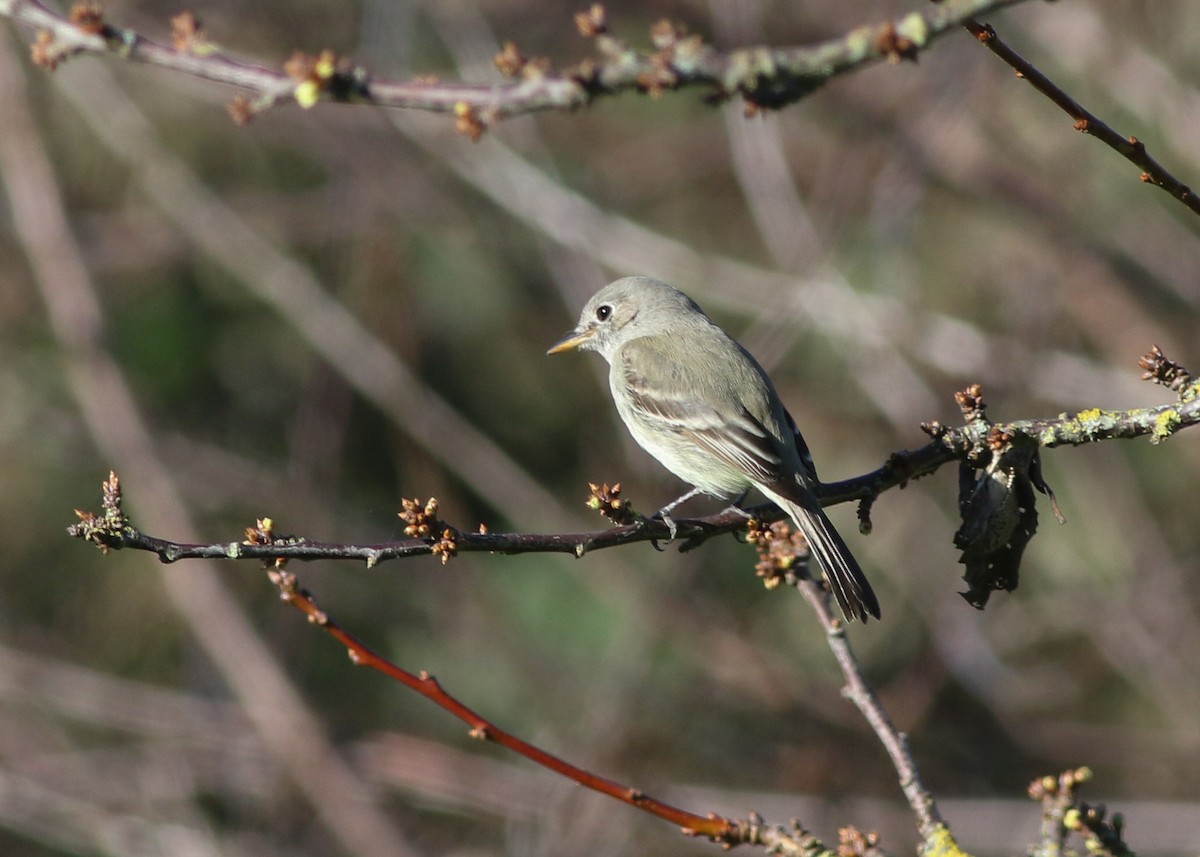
664	394
806	459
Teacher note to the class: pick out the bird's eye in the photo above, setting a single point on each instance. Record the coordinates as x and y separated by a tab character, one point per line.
603	312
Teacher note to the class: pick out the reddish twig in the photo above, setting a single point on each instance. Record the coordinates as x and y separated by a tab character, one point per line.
715	827
1130	148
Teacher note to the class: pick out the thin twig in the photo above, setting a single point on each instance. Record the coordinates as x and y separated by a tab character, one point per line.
1131	148
858	691
963	443
795	841
784	557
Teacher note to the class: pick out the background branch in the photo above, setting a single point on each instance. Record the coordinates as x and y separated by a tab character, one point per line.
710	826
764	76
295	310
1130	148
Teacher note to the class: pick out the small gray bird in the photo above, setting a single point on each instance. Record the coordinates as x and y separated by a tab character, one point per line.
699	403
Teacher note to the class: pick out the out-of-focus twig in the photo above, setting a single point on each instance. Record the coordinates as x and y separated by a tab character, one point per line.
1063	813
1130	148
283	282
115	423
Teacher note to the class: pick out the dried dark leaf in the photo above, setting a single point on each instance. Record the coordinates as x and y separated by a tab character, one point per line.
999	518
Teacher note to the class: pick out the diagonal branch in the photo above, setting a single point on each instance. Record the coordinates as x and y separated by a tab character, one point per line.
1131	148
779	840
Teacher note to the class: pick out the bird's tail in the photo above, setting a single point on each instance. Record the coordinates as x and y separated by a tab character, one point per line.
846	579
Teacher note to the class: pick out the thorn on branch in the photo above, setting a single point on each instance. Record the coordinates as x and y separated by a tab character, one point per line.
864	514
934	429
985	33
902	462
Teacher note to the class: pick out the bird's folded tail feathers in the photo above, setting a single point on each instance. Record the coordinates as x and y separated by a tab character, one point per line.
846	579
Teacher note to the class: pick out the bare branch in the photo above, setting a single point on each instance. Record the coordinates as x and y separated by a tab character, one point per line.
764	76
753	830
857	690
1063	813
977	444
1131	148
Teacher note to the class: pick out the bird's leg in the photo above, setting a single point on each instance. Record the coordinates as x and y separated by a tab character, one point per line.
665	511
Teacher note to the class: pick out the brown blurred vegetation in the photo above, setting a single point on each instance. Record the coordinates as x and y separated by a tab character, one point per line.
905	231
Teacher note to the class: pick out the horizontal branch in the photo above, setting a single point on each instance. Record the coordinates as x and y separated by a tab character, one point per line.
978	444
765	76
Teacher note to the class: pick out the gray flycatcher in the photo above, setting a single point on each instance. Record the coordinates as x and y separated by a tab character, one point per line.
699	403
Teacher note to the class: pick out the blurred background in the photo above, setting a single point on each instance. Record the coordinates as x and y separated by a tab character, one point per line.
319	313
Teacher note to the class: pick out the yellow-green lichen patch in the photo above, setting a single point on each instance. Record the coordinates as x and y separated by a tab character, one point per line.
1165	425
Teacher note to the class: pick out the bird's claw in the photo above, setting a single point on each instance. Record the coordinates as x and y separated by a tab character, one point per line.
672	527
668	522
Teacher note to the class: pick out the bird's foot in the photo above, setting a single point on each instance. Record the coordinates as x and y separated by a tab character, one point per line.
664	515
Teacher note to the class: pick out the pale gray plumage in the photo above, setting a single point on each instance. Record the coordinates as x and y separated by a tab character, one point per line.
700	404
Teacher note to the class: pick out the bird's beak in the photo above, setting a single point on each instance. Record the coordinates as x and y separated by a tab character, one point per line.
574	339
